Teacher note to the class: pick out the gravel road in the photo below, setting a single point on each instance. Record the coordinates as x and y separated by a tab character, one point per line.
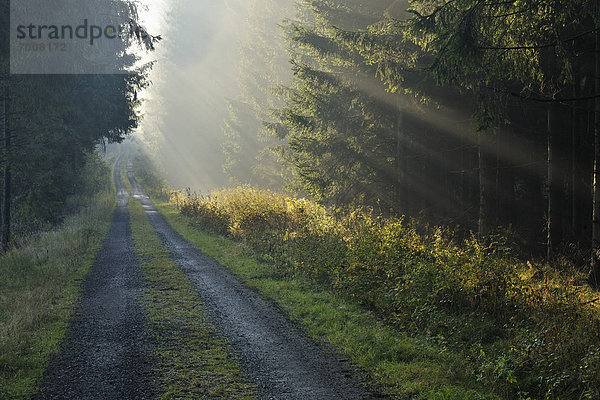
107	353
284	363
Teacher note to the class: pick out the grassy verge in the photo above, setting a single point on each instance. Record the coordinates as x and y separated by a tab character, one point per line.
398	364
525	330
521	329
193	362
39	290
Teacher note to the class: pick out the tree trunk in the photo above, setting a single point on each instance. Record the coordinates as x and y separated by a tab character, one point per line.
400	162
557	158
573	191
463	191
595	260
550	188
505	193
6	195
484	186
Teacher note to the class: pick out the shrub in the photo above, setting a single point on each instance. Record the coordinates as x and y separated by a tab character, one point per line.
529	331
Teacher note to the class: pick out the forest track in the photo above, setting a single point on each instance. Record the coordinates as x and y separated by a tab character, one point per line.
107	352
283	363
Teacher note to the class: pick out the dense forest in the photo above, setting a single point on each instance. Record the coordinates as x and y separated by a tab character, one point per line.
477	115
52	126
449	151
413	183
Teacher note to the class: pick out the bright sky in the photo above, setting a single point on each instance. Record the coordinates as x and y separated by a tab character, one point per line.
196	69
153	14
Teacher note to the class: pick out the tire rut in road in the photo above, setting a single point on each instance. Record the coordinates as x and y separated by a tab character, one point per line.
283	363
106	353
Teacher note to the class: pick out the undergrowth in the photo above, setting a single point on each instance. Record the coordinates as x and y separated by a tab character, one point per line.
391	362
524	329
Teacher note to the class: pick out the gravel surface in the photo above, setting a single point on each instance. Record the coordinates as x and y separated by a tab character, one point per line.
107	353
283	362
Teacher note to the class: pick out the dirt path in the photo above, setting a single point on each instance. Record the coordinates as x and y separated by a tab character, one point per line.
283	363
107	353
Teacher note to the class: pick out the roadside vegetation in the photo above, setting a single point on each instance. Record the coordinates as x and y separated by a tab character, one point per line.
394	362
425	314
41	285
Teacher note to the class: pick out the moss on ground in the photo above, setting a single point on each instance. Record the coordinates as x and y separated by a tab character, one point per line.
193	361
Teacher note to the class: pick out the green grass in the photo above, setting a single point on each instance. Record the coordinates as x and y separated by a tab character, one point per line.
192	360
396	363
123	171
40	287
520	329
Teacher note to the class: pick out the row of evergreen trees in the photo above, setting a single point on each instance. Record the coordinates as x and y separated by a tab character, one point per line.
51	127
464	112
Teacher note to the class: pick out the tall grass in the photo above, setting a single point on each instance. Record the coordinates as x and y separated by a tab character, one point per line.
40	283
526	330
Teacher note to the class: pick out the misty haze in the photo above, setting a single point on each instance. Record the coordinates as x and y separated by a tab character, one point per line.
299	199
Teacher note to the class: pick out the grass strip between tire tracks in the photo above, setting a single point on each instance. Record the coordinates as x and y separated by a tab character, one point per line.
193	361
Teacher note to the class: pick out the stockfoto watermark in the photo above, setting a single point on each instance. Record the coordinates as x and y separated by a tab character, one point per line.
73	37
